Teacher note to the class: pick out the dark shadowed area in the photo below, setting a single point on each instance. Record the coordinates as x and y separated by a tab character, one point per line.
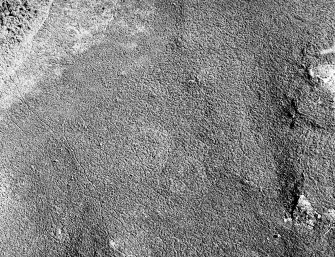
191	128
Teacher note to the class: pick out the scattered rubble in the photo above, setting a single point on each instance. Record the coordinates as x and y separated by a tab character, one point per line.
308	219
19	18
20	21
15	19
305	215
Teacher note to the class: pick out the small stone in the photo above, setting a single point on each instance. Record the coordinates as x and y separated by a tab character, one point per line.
330	215
113	244
286	220
304	204
276	236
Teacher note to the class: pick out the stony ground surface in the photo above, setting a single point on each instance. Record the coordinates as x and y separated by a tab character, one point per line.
167	128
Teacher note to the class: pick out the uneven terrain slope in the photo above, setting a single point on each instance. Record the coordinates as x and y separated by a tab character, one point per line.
156	128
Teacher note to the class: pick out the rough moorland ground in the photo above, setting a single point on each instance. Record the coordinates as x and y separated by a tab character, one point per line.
168	128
